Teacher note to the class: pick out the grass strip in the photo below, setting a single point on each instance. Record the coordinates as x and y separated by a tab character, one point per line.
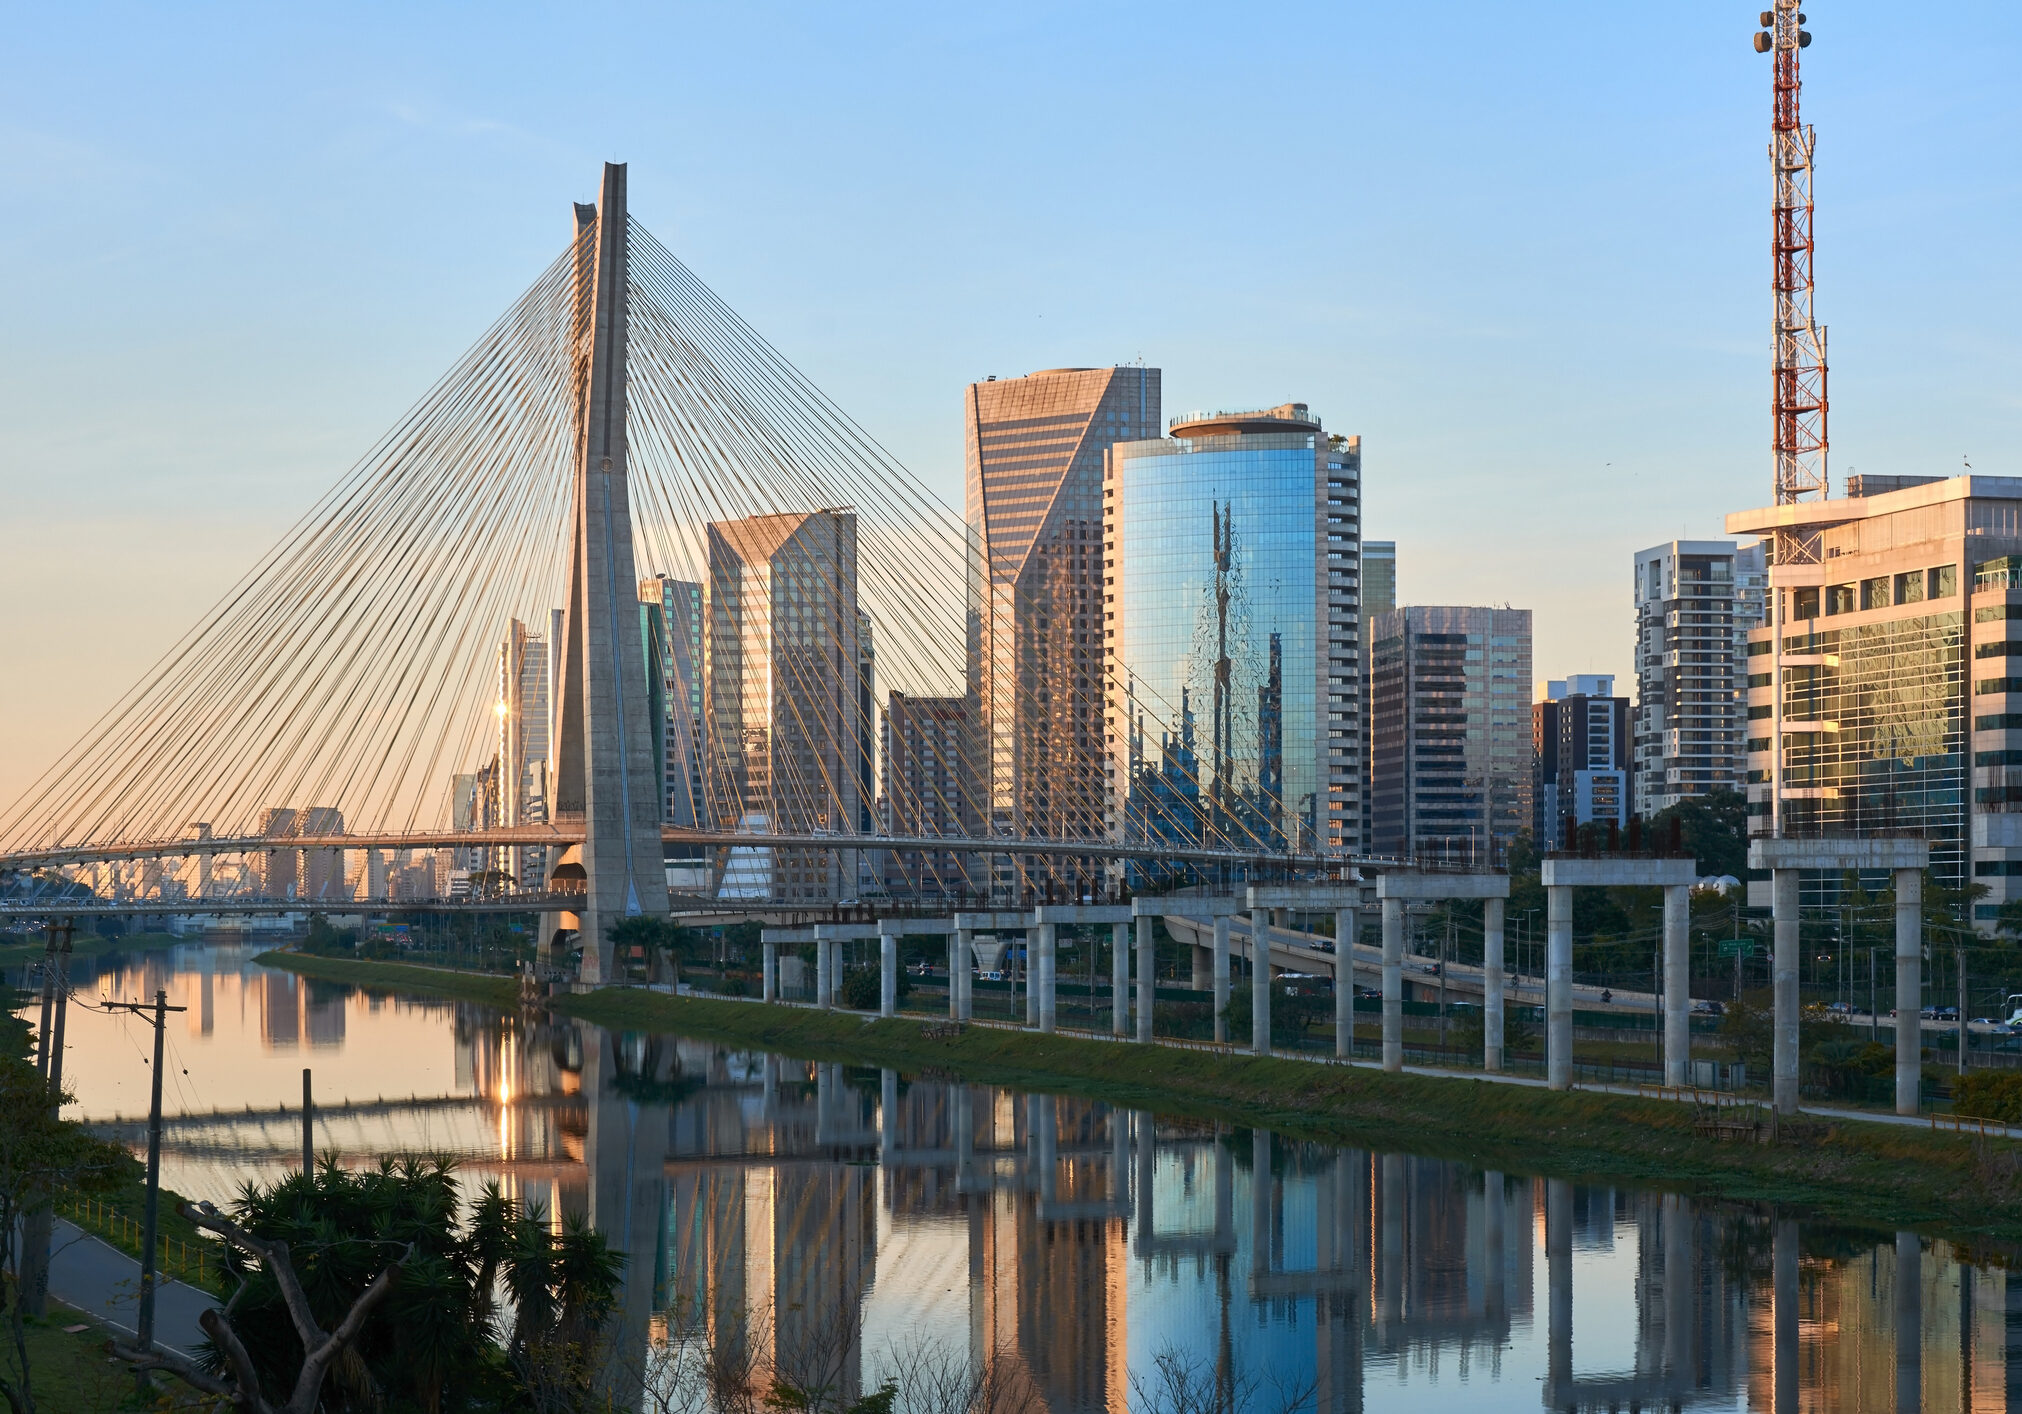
1889	1176
399	977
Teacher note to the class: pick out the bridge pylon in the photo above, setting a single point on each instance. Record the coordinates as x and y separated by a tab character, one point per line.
605	772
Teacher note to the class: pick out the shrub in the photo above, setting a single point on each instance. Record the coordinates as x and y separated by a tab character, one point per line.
1989	1094
861	987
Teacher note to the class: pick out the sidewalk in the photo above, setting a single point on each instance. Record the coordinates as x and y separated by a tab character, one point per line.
102	1281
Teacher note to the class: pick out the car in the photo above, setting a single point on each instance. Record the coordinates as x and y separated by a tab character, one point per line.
1706	1007
1430	969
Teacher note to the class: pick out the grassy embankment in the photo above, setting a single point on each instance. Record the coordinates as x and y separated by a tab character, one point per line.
87	945
1889	1175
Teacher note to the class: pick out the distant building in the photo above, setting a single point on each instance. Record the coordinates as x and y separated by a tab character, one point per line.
279	870
680	649
522	747
925	789
1033	497
1581	734
1696	602
783	699
1450	723
1379	596
1229	591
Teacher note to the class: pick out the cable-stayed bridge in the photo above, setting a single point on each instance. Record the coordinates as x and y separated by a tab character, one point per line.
619	434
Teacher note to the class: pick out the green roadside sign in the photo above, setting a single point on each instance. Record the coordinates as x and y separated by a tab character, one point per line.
1737	947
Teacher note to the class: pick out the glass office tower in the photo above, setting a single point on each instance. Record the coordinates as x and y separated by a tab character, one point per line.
1232	558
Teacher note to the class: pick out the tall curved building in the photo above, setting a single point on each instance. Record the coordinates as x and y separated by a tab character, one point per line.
1231	599
1035	449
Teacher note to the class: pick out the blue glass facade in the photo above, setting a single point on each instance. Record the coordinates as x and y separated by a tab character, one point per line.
1221	722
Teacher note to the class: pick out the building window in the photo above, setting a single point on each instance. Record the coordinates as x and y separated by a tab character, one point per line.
1804	602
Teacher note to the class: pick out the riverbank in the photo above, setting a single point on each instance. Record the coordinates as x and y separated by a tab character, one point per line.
87	945
1887	1175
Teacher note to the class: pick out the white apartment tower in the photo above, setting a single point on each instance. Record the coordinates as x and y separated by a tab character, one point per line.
1696	601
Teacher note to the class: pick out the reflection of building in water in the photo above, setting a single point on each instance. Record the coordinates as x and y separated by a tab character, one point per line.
280	1003
324	1004
815	1216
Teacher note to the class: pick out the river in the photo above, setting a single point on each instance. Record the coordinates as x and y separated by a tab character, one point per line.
1089	1258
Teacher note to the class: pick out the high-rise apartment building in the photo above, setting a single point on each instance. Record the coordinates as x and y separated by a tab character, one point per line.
926	784
783	697
522	747
1450	728
1034	497
1883	696
279	870
1379	596
1696	601
1230	593
1581	735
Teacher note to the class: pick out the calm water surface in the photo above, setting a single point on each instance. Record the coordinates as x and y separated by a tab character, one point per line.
766	1202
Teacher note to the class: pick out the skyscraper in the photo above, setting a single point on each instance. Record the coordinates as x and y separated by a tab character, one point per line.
1231	551
1696	602
1379	596
1581	734
1450	728
782	693
681	624
523	713
925	786
1033	495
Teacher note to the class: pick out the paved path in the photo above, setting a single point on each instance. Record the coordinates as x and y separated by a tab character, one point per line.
102	1281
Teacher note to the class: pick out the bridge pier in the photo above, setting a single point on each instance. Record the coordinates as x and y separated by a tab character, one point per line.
1559	988
1042	994
1491	984
1393	984
1260	984
1221	961
888	973
1202	978
1677	984
1147	978
1119	979
1344	982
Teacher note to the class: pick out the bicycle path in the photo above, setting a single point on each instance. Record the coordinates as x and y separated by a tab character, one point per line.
98	1279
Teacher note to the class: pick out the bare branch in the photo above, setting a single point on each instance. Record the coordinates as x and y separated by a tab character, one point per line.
309	1384
282	1269
191	1374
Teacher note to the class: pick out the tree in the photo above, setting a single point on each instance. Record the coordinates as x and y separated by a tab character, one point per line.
362	1291
40	1156
666	943
1713	828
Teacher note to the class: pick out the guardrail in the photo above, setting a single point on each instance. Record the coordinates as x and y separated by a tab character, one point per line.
193	1264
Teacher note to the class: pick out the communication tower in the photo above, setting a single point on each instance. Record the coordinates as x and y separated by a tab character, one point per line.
1799	400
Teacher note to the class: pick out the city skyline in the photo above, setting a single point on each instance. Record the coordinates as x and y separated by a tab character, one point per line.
1687	416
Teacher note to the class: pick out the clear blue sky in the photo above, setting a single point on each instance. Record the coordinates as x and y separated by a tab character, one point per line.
1521	249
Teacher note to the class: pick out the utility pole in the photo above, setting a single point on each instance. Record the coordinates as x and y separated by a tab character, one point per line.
151	1213
308	1127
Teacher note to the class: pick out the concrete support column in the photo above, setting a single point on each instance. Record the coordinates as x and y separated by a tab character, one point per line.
824	979
768	972
1677	984
1559	1291
1783	1062
1147	977
965	975
1783	1339
1202	977
1222	978
1344	982
1260	985
954	977
1909	1314
888	974
1042	976
1491	984
1393	984
1559	987
1909	990
1119	979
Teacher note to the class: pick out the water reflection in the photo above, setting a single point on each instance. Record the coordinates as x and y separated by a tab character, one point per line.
814	1215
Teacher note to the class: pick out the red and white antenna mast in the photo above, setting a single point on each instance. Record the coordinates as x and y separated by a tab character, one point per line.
1799	402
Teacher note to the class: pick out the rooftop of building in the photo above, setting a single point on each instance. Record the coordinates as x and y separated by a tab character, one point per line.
1285	417
1910	493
